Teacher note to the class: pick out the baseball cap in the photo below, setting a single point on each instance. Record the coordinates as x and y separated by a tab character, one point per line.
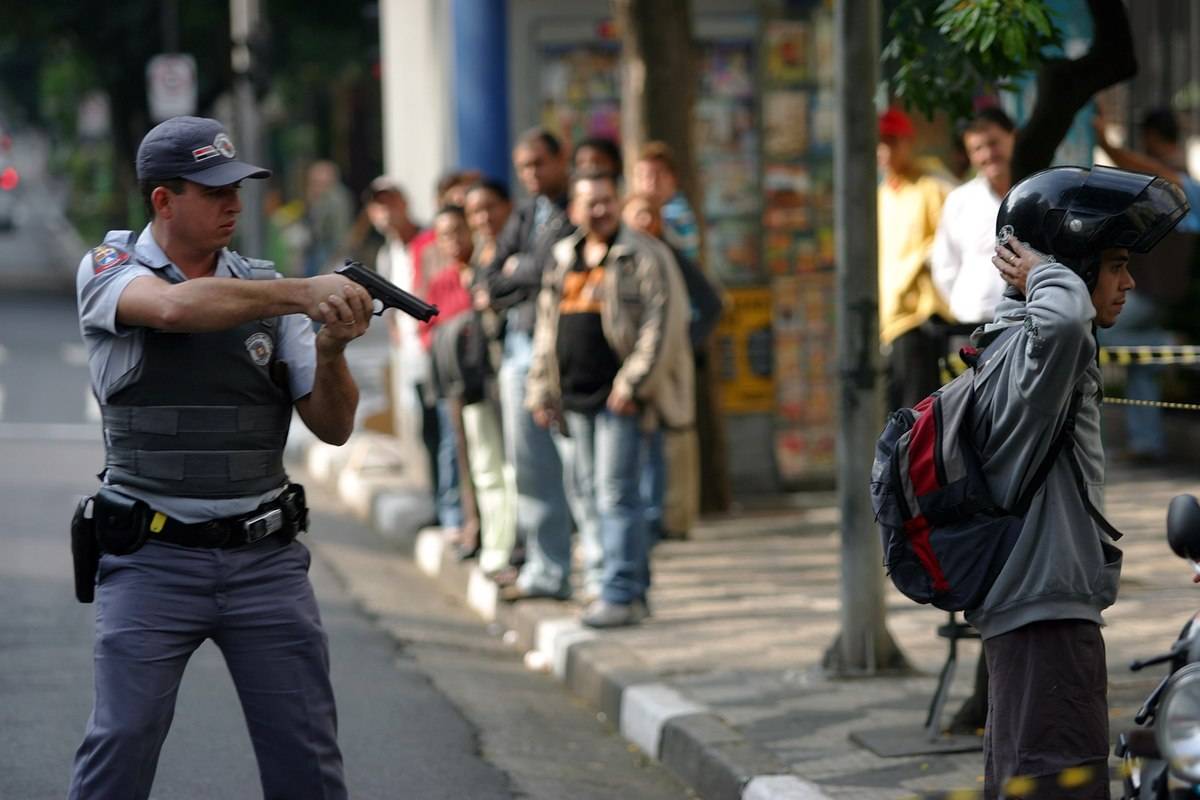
896	123
195	148
384	183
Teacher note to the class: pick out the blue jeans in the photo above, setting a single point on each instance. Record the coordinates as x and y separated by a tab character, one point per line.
449	503
581	500
543	519
608	457
654	485
1140	324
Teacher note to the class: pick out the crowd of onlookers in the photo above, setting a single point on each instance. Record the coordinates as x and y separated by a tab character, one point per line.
554	391
936	242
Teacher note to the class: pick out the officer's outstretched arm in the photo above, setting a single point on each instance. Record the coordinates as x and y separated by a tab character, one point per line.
214	304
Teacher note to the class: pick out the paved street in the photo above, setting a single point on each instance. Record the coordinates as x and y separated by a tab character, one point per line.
437	701
430	705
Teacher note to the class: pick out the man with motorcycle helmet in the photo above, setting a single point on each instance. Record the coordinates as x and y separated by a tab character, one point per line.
1064	236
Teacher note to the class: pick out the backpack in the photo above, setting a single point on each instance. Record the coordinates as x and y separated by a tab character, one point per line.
460	358
944	538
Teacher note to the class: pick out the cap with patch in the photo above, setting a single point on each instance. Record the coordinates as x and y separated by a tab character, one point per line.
195	148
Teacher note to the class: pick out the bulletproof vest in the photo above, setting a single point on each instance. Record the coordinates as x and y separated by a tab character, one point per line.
203	414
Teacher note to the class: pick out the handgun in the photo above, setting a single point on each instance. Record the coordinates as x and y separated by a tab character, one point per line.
386	292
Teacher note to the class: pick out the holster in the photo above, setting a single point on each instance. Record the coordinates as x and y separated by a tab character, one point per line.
122	523
295	507
85	551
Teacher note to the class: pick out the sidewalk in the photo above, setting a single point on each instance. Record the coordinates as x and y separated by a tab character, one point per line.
723	683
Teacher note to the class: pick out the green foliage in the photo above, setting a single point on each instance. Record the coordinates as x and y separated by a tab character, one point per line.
54	51
943	53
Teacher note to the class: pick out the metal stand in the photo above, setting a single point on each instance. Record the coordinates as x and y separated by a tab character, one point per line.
905	740
952	631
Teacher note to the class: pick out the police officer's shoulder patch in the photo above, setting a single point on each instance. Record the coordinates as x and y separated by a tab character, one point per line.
106	257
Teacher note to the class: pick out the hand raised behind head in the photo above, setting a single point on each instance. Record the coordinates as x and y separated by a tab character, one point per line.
1015	259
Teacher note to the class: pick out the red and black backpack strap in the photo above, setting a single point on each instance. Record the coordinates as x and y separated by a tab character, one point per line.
1068	435
974	356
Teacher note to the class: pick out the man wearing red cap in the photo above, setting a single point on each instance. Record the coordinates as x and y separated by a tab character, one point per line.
910	204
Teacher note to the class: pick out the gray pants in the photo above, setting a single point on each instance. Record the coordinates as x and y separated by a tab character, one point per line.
154	608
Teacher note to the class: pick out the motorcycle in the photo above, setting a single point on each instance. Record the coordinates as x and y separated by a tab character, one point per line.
1161	757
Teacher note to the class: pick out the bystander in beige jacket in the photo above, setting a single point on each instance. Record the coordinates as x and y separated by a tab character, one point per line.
645	320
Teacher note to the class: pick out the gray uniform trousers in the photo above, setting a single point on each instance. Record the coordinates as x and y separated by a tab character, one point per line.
154	608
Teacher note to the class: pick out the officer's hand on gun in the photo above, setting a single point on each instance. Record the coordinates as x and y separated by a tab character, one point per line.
342	306
345	302
321	287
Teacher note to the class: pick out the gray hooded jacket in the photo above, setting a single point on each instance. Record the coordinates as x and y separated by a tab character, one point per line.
1063	566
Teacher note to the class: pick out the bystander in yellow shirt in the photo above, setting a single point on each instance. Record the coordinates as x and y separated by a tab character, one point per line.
909	209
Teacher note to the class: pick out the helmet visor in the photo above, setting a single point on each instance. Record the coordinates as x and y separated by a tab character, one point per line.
1152	207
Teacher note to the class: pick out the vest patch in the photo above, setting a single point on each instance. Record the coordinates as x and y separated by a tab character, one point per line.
260	347
106	256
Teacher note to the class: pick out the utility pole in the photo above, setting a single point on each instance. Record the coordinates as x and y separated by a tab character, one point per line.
864	645
244	21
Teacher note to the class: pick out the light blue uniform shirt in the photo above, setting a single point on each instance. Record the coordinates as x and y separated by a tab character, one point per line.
115	349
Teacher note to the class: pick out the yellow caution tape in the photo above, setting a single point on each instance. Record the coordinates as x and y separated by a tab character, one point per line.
1020	786
1026	786
1125	401
952	366
1166	354
1074	777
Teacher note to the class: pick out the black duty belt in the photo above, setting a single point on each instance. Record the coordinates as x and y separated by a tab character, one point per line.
287	515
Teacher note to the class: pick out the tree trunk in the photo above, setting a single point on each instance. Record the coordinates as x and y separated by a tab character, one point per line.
656	104
1065	86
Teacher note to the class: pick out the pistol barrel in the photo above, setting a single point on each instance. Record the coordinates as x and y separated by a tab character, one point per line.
386	292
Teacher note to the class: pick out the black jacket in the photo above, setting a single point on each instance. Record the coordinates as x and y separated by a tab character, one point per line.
704	301
534	256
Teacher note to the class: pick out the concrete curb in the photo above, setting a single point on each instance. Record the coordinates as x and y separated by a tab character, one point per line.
704	751
694	743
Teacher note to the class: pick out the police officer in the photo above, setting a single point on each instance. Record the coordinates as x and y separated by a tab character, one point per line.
197	357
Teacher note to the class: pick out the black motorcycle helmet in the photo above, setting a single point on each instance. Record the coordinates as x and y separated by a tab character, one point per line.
1074	213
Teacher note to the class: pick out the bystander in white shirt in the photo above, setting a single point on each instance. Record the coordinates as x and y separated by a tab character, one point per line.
962	252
